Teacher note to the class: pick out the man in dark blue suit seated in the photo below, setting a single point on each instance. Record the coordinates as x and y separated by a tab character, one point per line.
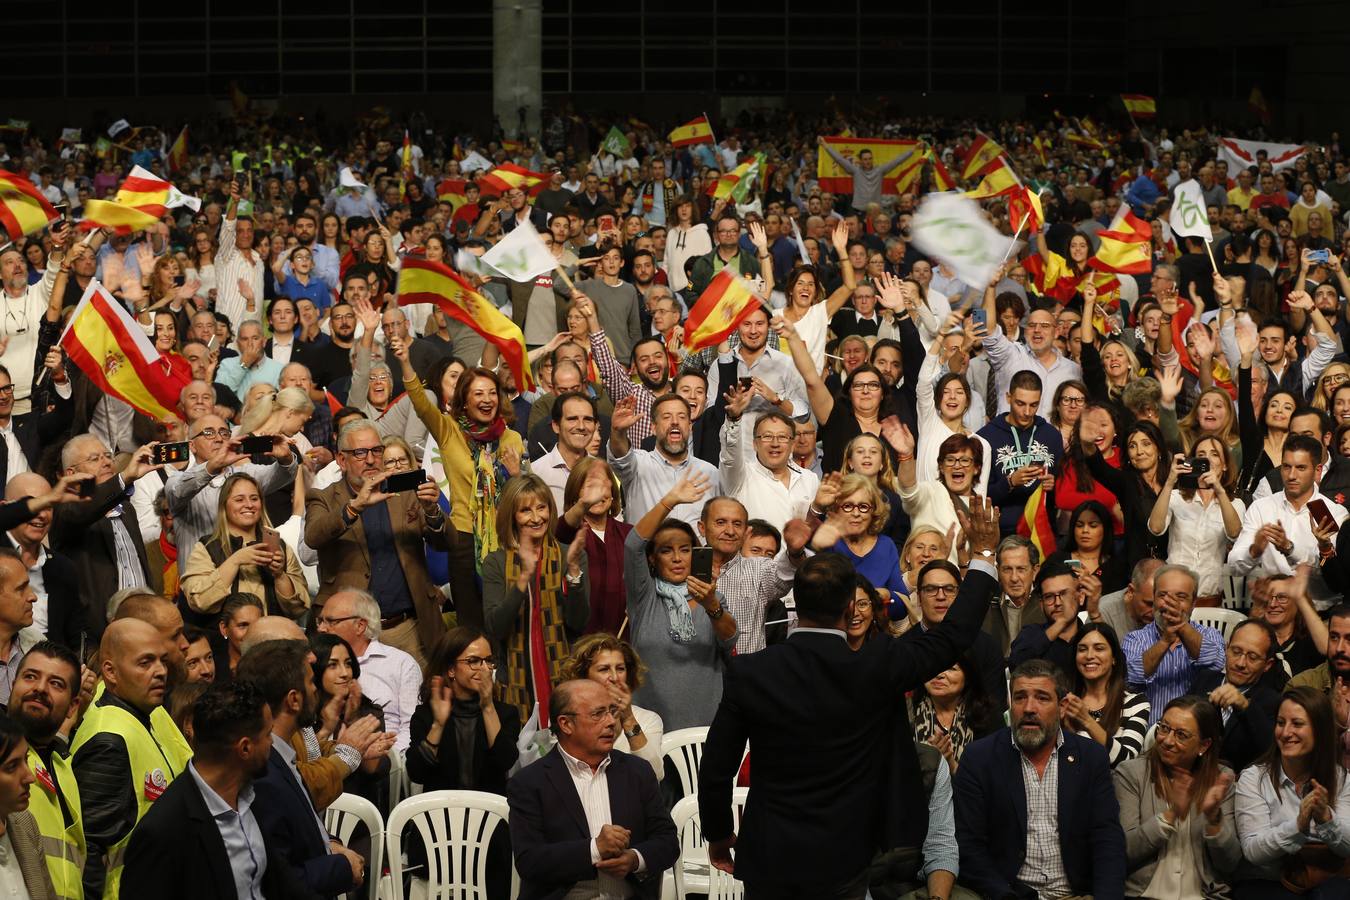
294	833
586	817
1036	811
820	718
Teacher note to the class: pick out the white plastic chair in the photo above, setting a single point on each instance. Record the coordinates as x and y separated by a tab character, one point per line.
1224	620
342	817
684	748
456	828
1149	737
715	884
400	786
1235	595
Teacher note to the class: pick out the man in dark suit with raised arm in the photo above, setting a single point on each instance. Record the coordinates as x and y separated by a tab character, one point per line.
819	719
587	820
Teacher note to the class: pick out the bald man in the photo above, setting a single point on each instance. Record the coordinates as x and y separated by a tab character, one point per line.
127	750
57	613
325	765
164	617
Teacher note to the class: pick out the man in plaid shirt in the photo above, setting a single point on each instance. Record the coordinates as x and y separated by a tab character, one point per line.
650	364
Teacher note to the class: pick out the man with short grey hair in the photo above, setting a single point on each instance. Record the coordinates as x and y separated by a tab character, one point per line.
1131	608
1163	657
390	677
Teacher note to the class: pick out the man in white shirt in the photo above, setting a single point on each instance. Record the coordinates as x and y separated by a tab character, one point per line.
763	476
13	459
390	678
1039	355
24	305
775	381
239	268
648	475
574	421
1279	532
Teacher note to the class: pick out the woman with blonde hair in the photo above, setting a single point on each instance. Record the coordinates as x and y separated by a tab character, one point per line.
283	412
923	545
1333	376
615	666
856	514
1213	415
535	594
244	554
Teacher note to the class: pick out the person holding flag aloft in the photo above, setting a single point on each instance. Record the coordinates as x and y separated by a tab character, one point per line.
867	178
25	308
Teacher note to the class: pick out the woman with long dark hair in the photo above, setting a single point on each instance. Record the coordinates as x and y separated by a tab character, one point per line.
1089	548
337	674
1176	807
1136	486
1293	811
951	710
1100	706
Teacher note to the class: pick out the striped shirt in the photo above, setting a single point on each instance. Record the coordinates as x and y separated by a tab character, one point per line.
1043	865
231	266
748	585
1128	740
1173	676
619	383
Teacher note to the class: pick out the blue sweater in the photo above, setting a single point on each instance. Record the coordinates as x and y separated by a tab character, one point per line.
1040	444
881	566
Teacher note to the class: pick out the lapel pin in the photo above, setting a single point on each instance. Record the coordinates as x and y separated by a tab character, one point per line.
1070	759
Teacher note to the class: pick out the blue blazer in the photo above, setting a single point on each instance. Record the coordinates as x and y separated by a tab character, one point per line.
550	837
991	818
286	818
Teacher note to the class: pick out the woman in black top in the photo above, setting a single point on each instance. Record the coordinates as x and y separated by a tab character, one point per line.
1136	485
1089	546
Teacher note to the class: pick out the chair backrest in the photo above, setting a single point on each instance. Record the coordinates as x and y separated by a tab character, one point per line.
1235	595
1223	620
684	748
719	885
456	828
399	784
341	818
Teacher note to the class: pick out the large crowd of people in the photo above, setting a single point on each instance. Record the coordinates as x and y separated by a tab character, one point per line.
938	554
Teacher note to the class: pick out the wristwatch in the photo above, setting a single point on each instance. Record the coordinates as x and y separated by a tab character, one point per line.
988	556
637	729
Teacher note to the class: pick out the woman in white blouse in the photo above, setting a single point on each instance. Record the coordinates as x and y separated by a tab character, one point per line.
1176	809
943	402
1293	810
613	663
1201	517
687	238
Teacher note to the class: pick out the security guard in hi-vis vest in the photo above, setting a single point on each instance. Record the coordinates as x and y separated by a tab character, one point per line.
46	686
127	750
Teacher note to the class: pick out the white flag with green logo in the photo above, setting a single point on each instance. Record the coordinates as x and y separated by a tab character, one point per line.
616	143
521	255
1190	215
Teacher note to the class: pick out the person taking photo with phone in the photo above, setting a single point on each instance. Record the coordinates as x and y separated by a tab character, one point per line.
1197	509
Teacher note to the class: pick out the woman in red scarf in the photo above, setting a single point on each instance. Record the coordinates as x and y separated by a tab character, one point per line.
591	504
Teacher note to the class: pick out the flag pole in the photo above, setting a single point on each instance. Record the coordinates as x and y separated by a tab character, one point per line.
1210	251
566	280
1016	235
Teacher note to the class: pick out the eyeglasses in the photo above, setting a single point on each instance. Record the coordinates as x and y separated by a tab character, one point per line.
382	379
363	452
343	317
211	433
105	456
330	621
1072	401
958	462
1038	325
1279	599
938	590
774	438
866	387
478	662
1254	658
597	715
863	508
862	605
7	389
1057	596
1163	730
1337	378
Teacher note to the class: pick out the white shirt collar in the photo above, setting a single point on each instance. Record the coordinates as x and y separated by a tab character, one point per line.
577	767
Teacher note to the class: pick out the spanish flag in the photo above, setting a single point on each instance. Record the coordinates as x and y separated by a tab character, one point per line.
998	179
1053	278
1035	523
424	281
698	131
982	154
722	306
515	148
736	184
23	209
1041	146
117	356
1024	209
451	191
1084	140
1127	246
178	153
508	176
907	176
1139	106
942	179
141	201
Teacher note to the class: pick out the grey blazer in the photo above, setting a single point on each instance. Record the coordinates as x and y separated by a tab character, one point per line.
23	834
1145	841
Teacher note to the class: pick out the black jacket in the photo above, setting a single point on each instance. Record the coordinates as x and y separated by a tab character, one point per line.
67	618
491	764
286	817
819	720
551	840
178	847
1249	732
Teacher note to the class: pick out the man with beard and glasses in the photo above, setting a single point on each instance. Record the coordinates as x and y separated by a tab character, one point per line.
203	831
128	749
46	689
286	814
648	475
1036	809
648	362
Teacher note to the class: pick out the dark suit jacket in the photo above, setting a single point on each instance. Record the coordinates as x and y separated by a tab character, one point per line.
84	534
991	818
178	845
286	819
819	720
550	837
344	557
66	619
1248	732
